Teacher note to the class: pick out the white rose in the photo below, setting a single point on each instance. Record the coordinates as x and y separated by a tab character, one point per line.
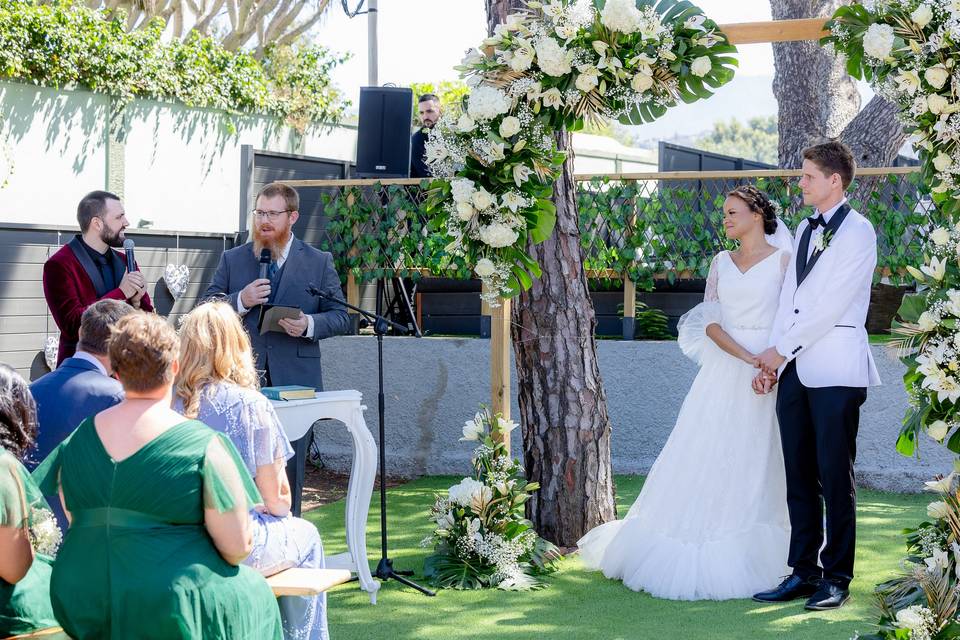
878	41
910	618
937	103
484	268
462	189
465	211
552	98
927	321
486	102
620	15
588	81
940	236
938	430
465	123
498	235
922	15
553	59
641	82
938	509
936	76
482	199
509	126
462	493
701	66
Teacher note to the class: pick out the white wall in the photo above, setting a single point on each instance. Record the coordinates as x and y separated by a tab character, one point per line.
175	166
57	143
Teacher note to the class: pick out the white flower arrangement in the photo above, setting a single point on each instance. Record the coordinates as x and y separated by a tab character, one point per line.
553	65
481	538
45	535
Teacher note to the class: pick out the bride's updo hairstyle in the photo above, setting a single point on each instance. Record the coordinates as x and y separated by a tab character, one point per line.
759	203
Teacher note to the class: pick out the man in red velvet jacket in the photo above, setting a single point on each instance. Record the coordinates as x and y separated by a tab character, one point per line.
87	269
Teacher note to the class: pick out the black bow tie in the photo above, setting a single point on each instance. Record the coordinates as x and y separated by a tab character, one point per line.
816	221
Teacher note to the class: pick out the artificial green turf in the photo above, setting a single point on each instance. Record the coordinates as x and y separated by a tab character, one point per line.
579	604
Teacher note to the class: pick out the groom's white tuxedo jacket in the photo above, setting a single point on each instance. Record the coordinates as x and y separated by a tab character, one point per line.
821	323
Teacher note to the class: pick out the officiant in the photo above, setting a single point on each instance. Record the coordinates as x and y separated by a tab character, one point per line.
290	354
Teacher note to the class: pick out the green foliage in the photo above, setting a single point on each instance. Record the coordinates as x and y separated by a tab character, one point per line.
757	140
651	322
68	45
450	92
646	229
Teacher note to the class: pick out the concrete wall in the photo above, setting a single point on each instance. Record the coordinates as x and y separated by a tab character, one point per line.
434	384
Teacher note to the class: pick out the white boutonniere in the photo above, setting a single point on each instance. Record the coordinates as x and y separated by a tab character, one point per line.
821	241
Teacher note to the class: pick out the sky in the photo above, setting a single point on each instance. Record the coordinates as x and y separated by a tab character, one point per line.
422	40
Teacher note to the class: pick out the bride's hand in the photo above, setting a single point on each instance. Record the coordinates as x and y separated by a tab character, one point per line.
751	359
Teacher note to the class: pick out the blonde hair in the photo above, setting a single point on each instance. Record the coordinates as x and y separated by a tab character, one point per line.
142	349
214	347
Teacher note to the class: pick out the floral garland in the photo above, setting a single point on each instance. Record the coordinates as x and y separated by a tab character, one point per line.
907	49
481	538
922	603
555	66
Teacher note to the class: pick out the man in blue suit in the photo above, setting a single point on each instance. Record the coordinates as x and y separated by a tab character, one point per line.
79	388
291	356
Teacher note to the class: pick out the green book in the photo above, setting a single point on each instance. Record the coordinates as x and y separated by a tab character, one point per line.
289	392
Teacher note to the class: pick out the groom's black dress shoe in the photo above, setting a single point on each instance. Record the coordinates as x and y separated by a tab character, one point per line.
829	596
791	588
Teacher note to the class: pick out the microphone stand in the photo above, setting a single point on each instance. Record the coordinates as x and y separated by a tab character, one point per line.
381	325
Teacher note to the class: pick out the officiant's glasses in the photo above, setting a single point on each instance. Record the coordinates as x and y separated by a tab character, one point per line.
272	216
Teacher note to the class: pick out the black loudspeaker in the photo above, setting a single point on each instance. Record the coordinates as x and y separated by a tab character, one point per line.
383	132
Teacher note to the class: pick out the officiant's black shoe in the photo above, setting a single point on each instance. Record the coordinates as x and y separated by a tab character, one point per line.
830	595
791	588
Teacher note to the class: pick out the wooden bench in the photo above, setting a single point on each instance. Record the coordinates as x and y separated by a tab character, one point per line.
52	633
289	582
306	582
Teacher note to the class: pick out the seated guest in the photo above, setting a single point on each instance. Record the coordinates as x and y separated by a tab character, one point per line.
79	388
24	576
158	507
291	356
217	385
88	269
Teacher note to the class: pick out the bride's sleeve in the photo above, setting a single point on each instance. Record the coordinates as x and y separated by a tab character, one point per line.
692	327
784	264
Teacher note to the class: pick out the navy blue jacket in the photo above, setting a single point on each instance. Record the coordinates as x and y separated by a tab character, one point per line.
65	397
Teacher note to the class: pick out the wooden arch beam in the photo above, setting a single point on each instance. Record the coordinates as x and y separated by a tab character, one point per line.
775	31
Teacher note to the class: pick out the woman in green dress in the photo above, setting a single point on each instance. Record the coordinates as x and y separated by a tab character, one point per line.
158	513
24	575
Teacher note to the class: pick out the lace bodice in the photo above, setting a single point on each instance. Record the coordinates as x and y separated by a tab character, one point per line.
747	301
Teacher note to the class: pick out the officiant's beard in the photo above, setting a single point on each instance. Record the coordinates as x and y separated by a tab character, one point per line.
275	243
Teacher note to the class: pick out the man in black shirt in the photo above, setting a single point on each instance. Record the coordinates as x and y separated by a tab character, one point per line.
429	108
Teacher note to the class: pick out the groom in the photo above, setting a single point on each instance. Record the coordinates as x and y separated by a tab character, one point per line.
821	356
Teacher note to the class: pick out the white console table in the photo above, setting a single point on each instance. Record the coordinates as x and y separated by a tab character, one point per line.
297	416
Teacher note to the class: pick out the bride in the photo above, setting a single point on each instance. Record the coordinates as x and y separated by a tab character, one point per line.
711	521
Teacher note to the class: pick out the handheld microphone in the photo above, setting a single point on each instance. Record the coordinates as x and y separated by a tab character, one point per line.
264	263
128	249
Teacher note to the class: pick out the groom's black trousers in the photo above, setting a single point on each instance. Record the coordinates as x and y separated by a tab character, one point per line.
818	430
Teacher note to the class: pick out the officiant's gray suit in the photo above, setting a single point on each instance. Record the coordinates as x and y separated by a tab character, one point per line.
285	359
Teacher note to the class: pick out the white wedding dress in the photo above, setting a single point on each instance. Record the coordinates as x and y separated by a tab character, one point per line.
711	521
